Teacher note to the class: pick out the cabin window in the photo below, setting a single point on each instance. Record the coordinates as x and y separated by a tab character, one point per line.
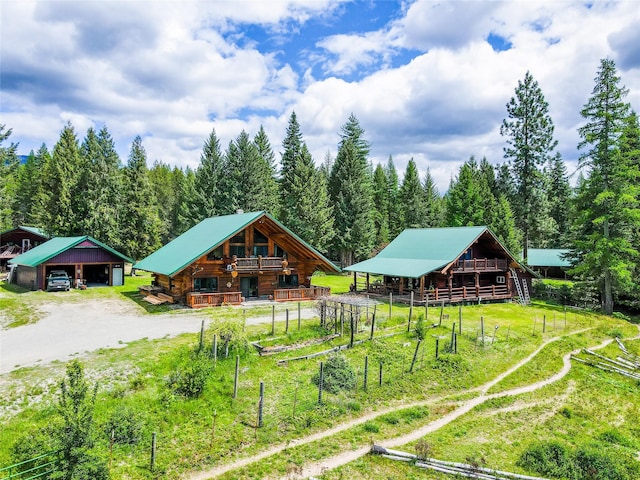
237	245
288	281
260	244
278	251
215	254
206	284
467	255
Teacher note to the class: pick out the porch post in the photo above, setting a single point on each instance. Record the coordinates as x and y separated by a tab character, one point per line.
477	284
367	282
450	283
355	285
509	289
401	286
422	287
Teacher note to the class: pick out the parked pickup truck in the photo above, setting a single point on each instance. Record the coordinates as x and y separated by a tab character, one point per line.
58	280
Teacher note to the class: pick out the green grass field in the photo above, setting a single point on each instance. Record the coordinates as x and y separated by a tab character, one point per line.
135	378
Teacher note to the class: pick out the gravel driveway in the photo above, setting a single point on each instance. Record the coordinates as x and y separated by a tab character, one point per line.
71	329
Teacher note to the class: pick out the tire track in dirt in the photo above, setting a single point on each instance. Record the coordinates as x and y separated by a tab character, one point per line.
317	468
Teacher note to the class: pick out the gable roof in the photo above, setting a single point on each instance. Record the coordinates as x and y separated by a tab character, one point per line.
57	245
548	257
419	251
199	240
34	230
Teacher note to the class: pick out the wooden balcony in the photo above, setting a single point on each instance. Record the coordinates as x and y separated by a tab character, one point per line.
292	294
255	264
481	265
201	300
461	294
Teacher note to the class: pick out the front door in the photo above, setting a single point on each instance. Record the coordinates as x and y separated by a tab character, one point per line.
118	278
249	286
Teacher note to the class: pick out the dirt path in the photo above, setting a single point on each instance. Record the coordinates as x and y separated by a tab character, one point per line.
72	329
318	468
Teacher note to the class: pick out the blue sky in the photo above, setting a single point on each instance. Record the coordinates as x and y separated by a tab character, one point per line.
427	80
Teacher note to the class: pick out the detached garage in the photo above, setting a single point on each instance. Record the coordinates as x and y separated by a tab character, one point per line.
85	259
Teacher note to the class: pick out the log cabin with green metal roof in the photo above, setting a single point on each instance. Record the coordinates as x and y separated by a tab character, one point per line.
232	258
451	265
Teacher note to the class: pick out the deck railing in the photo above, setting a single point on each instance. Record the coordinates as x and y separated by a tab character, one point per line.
288	294
254	264
200	300
467	293
481	264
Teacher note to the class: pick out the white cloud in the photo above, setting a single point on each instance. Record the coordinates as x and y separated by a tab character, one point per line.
172	71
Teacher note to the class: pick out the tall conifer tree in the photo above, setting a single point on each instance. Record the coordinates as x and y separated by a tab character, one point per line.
8	177
607	204
352	195
412	199
530	142
433	202
208	177
141	225
381	206
60	176
395	212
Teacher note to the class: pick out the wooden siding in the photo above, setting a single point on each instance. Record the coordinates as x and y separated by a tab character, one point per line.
267	269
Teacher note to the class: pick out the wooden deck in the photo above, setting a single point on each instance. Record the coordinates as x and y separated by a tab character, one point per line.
201	300
456	295
292	294
481	265
255	264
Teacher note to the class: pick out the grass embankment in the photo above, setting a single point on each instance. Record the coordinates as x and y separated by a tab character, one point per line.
186	436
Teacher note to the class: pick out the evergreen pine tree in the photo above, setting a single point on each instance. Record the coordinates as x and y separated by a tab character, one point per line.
530	142
162	180
140	224
188	208
267	166
559	198
607	203
433	202
8	178
101	188
412	199
395	212
381	206
208	177
60	176
311	217
352	195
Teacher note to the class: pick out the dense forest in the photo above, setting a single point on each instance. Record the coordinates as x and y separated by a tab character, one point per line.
348	208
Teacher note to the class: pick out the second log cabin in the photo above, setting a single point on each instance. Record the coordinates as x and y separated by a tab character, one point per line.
451	265
226	259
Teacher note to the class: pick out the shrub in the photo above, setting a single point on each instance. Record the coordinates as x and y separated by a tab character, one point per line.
338	374
371	427
126	426
548	458
595	464
190	379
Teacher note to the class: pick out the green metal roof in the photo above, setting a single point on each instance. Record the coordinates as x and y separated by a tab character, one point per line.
204	237
419	251
34	230
548	257
57	245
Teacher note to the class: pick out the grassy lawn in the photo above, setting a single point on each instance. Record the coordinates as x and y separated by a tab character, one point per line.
136	378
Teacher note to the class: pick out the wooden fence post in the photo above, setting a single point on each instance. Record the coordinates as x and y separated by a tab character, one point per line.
373	322
495	329
286	321
214	348
482	329
453	334
298	316
380	375
235	380
544	323
153	451
273	319
460	319
410	312
437	347
201	344
366	371
260	404
320	383
390	303
415	355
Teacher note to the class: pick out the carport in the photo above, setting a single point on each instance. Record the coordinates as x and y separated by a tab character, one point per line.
85	259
